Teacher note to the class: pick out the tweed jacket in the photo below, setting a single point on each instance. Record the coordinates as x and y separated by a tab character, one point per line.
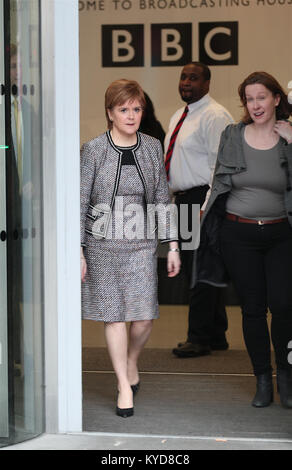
208	265
100	173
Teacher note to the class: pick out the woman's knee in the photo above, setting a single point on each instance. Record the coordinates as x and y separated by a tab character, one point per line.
143	325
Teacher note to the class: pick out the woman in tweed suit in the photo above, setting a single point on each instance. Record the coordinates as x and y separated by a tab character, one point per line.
124	192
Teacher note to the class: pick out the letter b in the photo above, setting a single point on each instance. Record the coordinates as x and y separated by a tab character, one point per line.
123	45
121	41
171	44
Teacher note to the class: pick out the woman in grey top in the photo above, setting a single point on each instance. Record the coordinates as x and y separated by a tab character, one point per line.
124	192
246	228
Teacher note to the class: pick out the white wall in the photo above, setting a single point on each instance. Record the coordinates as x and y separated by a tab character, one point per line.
60	73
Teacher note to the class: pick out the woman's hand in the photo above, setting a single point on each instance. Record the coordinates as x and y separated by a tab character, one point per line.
173	263
83	265
173	260
284	129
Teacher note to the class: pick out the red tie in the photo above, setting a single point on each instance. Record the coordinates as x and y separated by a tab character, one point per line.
172	141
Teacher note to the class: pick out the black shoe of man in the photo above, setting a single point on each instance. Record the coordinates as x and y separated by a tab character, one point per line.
215	346
191	350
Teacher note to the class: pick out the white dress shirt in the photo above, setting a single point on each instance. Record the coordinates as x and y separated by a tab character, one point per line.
195	151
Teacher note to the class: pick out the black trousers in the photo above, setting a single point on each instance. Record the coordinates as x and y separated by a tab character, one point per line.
259	261
207	319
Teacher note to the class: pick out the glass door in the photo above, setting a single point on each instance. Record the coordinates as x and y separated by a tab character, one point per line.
21	258
4	420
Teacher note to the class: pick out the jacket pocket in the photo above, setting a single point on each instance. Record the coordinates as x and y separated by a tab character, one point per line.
99	217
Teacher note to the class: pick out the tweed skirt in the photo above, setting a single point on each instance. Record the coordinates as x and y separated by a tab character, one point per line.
121	279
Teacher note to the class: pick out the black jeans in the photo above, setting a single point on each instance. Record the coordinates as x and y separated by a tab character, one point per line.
259	261
207	313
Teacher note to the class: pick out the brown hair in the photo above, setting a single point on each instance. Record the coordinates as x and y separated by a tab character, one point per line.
283	110
121	91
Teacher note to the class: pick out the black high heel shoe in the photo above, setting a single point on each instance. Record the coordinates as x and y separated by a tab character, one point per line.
125	412
135	388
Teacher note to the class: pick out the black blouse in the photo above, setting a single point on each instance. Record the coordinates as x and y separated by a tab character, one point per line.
127	155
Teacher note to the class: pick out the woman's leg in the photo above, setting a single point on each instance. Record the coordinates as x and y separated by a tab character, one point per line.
117	343
244	256
138	336
279	281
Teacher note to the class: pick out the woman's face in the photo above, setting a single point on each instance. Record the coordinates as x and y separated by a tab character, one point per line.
126	118
261	103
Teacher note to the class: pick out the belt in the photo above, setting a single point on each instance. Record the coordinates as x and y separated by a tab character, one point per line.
180	193
186	191
236	218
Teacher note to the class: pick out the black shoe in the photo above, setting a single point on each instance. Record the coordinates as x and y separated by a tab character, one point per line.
124	412
284	386
135	388
191	350
264	395
215	346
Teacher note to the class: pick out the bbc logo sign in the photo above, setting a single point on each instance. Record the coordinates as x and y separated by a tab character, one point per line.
171	44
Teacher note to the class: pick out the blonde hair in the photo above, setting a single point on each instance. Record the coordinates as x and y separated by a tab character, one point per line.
121	91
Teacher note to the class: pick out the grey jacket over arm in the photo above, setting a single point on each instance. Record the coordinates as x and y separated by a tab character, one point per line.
100	172
208	264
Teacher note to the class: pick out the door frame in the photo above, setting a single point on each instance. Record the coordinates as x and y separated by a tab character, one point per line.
8	405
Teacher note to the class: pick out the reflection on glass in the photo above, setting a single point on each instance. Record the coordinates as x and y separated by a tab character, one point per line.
4	419
24	223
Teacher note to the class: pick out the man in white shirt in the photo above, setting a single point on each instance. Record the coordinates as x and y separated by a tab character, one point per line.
190	161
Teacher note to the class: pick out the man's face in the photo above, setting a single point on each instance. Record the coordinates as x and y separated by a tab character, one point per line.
192	85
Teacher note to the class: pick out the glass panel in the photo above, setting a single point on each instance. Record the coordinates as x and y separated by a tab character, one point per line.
4	426
24	221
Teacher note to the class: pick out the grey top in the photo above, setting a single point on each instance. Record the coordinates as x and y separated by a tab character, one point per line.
208	265
258	192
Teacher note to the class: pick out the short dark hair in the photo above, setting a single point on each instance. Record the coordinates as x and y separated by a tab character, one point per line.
284	108
205	69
